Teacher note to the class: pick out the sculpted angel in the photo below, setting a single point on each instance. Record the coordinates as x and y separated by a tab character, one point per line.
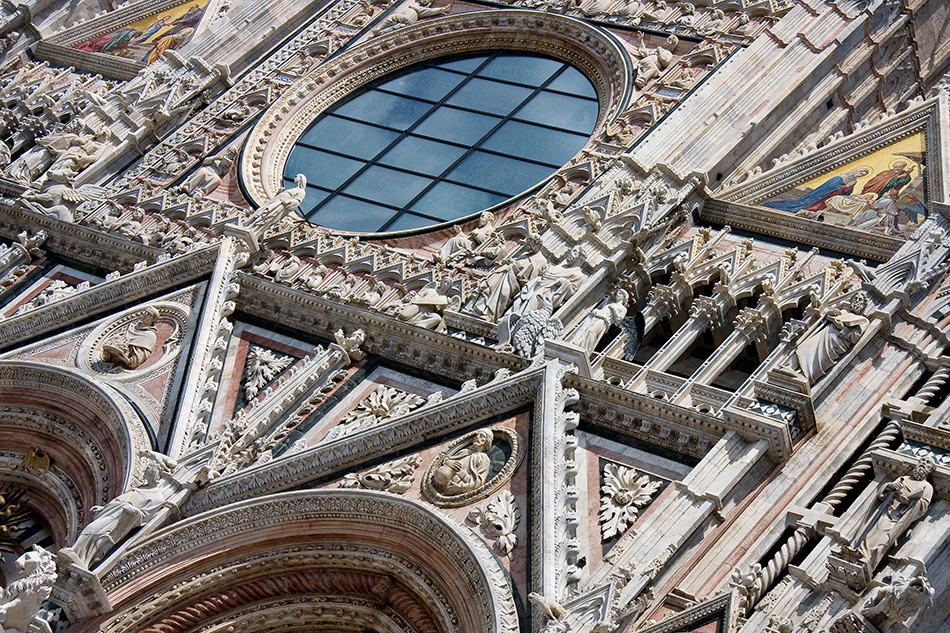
58	197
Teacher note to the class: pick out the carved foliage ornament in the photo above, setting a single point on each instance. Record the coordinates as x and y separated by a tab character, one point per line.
386	403
499	519
473	467
622	496
395	476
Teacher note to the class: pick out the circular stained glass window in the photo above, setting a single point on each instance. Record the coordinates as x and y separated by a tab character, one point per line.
442	140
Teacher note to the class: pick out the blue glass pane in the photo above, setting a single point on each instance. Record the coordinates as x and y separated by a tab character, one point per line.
422	156
388	186
347	214
504	175
489	96
563	111
450	202
320	168
535	143
392	111
532	71
466	65
349	137
313	198
450	124
574	82
427	83
408	221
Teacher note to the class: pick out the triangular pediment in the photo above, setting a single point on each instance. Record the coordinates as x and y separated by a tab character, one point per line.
862	194
122	42
715	615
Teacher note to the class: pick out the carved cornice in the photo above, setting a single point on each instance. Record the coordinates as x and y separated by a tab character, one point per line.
474	567
385	336
646	418
90	246
412	430
109	295
800	230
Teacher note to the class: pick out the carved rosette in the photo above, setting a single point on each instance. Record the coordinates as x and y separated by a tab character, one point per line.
442	487
90	358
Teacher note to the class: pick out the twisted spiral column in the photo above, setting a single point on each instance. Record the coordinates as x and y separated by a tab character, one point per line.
933	385
794	544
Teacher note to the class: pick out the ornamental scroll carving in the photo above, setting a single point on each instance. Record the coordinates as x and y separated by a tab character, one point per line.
472	467
386	403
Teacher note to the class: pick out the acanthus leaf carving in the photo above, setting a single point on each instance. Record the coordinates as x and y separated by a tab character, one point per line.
395	476
499	519
623	494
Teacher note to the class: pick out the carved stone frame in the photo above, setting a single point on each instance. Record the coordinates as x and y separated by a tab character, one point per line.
490	486
592	50
734	205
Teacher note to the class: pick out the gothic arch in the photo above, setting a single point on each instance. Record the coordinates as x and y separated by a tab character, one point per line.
90	432
368	558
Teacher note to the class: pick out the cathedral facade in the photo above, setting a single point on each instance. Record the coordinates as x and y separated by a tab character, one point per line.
471	316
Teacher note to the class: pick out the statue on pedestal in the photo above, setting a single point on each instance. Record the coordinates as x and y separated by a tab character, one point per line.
816	354
903	501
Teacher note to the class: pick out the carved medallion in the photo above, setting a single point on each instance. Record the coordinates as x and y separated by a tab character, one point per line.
473	467
136	341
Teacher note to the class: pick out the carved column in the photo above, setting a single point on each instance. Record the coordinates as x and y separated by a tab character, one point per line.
750	327
704	313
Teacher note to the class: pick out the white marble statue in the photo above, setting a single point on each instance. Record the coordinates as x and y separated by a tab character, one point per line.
816	354
592	330
495	293
21	600
653	61
902	502
82	152
426	307
206	178
134	344
130	510
559	282
36	160
287	201
465	468
409	13
59	198
896	604
462	246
